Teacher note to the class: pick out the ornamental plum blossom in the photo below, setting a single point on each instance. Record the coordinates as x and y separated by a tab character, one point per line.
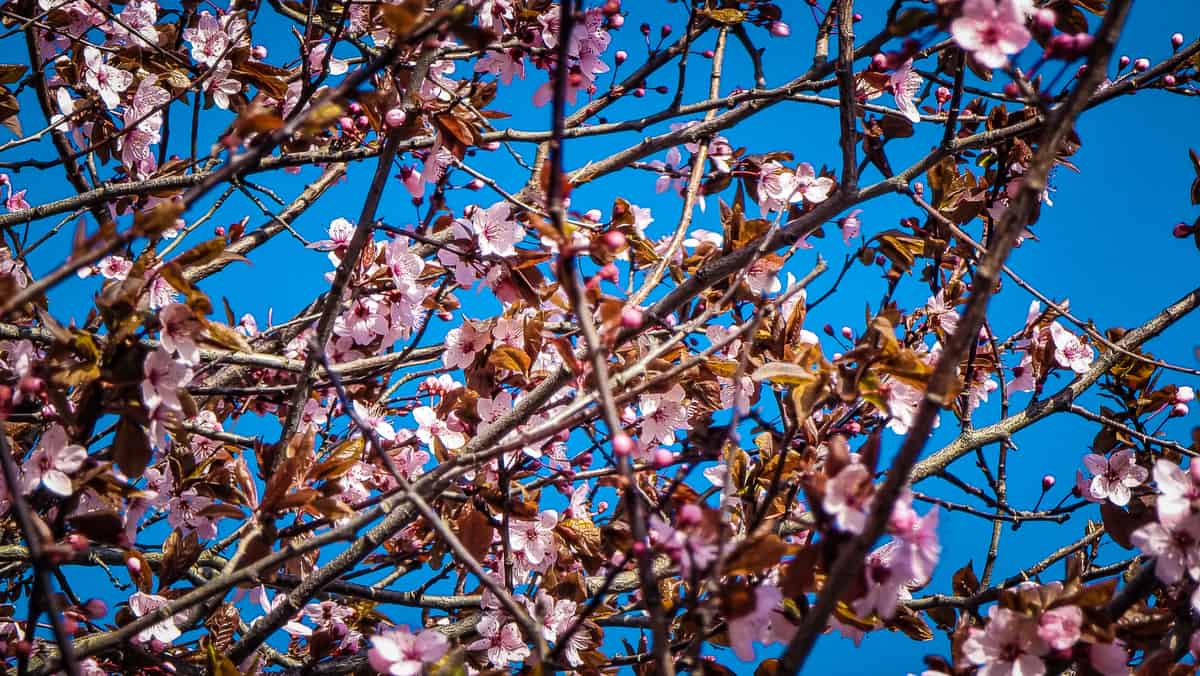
848	497
179	329
462	343
991	30
1060	627
52	463
1114	476
398	652
533	542
501	639
1069	351
754	625
432	427
662	415
495	230
904	84
107	81
166	631
1175	546
1009	644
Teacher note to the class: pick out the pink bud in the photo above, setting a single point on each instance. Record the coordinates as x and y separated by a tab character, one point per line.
1182	230
258	52
614	239
631	318
78	541
1141	65
620	56
665	30
611	7
847	332
1011	90
1169	80
1184	394
663	458
879	62
639	92
622	444
857	17
346	123
134	565
1179	410
1122	62
645	29
943	95
475	184
1048	482
918	189
828	329
1194	471
616	20
689	515
361	122
1045	18
780	29
1177	40
356	108
638	548
396	117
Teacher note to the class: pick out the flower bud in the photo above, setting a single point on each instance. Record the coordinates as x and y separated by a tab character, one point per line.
780	29
475	184
1122	62
665	30
622	444
611	7
1177	40
620	56
1182	230
638	548
96	608
134	565
1048	482
1169	80
663	458
1194	471
396	117
1184	394
616	21
847	333
857	17
639	92
614	239
78	541
346	123
631	318
1011	90
1179	410
689	515
356	108
661	89
943	95
362	123
879	62
708	53
1045	18
258	52
1141	65
645	28
828	329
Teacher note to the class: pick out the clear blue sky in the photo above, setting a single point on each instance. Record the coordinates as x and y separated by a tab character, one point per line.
1106	244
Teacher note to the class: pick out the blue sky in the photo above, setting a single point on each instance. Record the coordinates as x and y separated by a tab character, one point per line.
1106	245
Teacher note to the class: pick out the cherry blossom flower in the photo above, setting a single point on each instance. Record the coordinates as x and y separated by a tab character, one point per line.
179	328
432	427
462	343
904	84
941	312
165	632
503	63
501	639
163	376
848	497
917	548
495	230
184	513
534	541
1069	351
208	39
991	30
222	87
52	462
1175	545
398	652
1114	476
107	81
690	550
1008	645
375	421
1177	491
136	24
812	188
662	415
751	627
1060	627
316	60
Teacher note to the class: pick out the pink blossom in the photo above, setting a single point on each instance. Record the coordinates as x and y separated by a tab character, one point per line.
941	312
1175	545
991	30
1177	491
1059	627
1115	476
374	420
1109	659
1008	645
848	497
501	639
916	540
143	604
398	652
813	189
52	462
220	86
751	627
662	415
850	225
136	24
495	229
503	63
690	549
163	376
208	39
534	540
904	84
115	267
462	343
1069	351
432	427
179	329
107	81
